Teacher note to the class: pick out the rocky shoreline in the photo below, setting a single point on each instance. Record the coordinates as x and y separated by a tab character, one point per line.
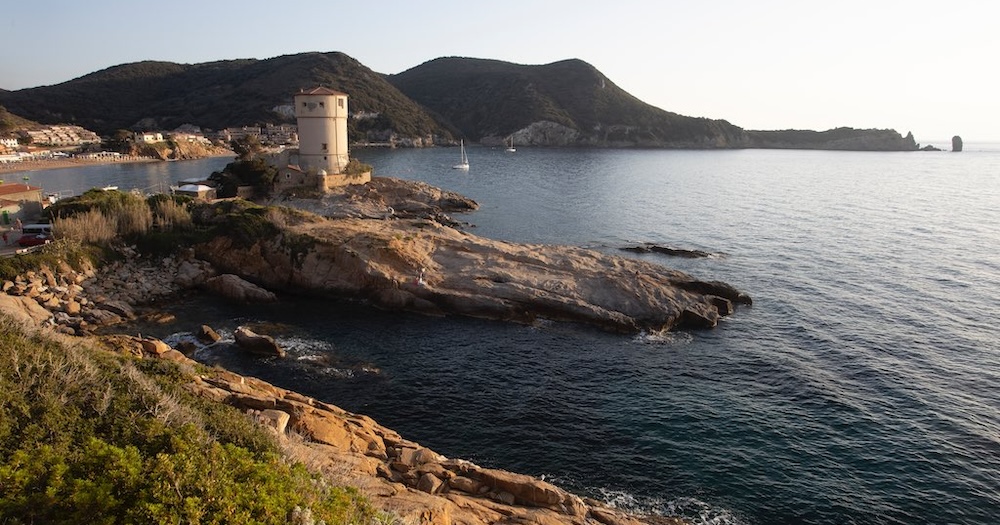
392	244
400	476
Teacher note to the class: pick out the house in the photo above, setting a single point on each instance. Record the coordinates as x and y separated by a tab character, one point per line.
148	137
19	201
197	191
8	142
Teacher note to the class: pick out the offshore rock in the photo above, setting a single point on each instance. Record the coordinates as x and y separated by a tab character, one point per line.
258	344
956	143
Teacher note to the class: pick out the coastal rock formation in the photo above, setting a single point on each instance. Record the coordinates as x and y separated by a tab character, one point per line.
421	265
413	482
666	250
956	143
238	289
258	344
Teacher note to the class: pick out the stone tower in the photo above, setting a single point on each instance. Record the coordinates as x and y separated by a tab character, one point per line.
322	119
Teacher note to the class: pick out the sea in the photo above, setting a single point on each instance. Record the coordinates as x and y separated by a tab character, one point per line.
861	387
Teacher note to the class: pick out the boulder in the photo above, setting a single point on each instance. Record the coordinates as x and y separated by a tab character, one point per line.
24	308
120	308
429	483
238	289
193	273
207	335
257	343
100	316
154	346
956	143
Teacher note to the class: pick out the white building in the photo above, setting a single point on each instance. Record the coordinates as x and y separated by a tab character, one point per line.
148	137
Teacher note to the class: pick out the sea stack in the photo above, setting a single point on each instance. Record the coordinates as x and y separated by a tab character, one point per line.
956	143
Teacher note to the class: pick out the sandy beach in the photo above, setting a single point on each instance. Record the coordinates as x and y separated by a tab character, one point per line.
49	164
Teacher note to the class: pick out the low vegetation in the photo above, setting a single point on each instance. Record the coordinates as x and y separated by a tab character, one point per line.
102	217
247	171
87	436
66	252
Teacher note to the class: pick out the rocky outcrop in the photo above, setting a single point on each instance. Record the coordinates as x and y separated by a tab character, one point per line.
424	266
412	482
263	345
235	288
956	143
666	250
386	198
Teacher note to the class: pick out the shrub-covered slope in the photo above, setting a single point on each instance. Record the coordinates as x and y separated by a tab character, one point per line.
490	98
164	95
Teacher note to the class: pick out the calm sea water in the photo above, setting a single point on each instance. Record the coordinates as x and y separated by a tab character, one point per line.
861	386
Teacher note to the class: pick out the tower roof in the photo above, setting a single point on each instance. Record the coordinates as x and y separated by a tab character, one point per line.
320	91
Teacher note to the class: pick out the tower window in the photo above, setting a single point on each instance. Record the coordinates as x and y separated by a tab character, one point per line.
340	102
321	104
324	146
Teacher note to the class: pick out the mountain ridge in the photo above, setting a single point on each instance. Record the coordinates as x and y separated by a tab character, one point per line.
564	103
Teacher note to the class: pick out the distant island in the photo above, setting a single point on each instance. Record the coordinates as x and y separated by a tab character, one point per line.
564	104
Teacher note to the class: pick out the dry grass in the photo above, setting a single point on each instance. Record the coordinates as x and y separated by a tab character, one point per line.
134	217
129	218
172	216
91	227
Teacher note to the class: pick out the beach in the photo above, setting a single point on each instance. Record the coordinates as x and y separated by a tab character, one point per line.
72	162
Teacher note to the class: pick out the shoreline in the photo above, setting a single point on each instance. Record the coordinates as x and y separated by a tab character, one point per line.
51	164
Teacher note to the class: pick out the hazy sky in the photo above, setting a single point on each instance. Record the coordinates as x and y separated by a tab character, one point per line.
920	66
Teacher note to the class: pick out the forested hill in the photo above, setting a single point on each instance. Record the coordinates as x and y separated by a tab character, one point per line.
164	95
566	103
563	103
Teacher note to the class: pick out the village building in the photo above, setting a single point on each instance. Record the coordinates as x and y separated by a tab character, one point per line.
60	136
322	157
148	137
19	201
197	191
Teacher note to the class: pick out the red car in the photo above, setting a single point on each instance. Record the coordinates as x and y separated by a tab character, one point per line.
34	240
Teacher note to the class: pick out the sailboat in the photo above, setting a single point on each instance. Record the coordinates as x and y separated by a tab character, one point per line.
464	164
510	147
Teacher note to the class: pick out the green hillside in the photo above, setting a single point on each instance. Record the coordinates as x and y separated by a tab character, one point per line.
566	103
489	99
164	95
10	122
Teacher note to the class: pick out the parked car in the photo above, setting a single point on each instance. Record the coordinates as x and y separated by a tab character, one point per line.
34	239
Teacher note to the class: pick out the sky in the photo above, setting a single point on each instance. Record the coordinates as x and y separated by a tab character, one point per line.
914	66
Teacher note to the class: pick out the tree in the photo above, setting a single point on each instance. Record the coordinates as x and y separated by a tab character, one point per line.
120	141
247	147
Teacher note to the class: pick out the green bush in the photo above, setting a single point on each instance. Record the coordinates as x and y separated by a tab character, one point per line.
91	437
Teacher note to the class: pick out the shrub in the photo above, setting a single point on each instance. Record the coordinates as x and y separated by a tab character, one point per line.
91	437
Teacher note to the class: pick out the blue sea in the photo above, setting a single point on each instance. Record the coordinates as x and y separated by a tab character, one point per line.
862	386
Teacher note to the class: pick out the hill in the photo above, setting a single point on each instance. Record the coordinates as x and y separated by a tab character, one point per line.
10	122
214	95
566	103
563	103
834	139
